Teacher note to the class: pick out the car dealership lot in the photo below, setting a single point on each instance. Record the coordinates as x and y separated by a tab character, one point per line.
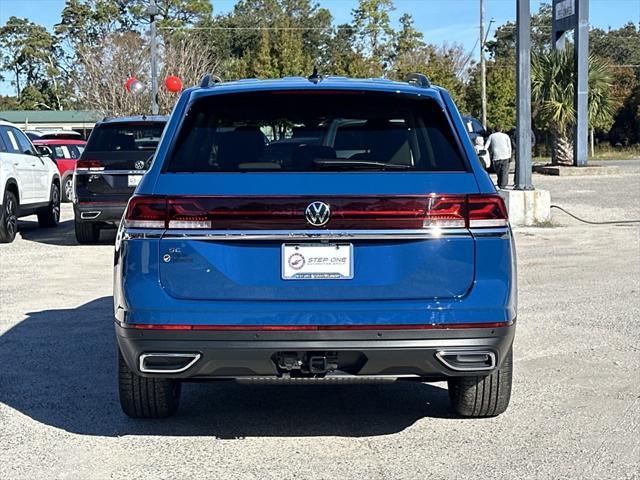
575	411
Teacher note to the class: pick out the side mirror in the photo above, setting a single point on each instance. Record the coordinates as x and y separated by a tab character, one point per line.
43	151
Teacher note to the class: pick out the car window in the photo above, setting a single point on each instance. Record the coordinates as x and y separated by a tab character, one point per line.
67	151
24	143
308	131
125	137
3	147
10	140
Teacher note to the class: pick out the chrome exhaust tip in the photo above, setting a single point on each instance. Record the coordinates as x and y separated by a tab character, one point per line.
167	362
467	360
89	215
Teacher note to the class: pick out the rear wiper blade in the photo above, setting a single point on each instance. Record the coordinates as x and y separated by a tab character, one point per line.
359	164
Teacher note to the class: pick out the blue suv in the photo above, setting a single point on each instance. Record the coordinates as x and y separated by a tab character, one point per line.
315	228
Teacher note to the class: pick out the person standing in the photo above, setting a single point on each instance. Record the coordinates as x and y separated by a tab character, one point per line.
499	146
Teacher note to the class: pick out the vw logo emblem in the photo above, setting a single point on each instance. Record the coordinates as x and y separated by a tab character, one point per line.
139	164
317	213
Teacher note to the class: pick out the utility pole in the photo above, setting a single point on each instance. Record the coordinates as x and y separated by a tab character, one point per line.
483	69
523	94
152	11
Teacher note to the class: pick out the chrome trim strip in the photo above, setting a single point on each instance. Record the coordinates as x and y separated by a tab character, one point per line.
194	356
88	171
440	354
289	235
490	232
134	233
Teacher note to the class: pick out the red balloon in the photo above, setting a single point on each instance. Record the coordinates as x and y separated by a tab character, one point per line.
173	84
127	84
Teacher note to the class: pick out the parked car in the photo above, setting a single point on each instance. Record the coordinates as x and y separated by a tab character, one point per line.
30	183
61	135
117	155
65	154
377	247
478	135
33	134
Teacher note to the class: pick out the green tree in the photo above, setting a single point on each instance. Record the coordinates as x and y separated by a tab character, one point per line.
88	22
622	47
342	57
262	65
501	93
553	86
31	53
9	103
503	45
408	39
373	29
443	65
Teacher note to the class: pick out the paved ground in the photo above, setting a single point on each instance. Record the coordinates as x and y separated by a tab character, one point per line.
575	412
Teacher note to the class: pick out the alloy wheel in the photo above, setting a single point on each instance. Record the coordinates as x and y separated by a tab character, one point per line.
55	204
11	221
68	188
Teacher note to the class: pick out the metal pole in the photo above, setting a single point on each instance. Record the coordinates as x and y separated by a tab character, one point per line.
483	68
523	94
581	53
153	11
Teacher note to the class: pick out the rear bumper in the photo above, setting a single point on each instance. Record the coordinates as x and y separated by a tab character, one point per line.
247	354
109	212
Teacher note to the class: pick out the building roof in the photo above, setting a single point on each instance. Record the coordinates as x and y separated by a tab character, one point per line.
51	116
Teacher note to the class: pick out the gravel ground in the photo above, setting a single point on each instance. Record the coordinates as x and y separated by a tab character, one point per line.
575	410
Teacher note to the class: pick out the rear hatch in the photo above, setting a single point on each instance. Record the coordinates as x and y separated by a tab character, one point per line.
116	156
374	206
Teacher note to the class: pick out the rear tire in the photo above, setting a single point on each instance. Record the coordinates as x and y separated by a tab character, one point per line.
8	218
87	232
483	396
50	215
142	397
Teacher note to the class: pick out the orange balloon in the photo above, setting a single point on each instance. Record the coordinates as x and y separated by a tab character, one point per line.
173	84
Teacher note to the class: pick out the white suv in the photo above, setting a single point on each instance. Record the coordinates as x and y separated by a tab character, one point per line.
30	183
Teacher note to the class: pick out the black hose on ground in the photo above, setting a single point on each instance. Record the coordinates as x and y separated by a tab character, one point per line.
612	222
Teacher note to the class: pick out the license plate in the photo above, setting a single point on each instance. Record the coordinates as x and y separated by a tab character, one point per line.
317	261
134	180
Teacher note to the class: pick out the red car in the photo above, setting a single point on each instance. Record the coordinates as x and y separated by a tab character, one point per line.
65	153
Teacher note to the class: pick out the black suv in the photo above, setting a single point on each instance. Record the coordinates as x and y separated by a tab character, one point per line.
117	155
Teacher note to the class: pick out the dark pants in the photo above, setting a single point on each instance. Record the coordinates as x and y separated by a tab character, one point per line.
501	168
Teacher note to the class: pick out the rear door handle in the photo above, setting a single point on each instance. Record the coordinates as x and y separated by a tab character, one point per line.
15	164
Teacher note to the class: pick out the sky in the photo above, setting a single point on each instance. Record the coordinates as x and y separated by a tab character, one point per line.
439	20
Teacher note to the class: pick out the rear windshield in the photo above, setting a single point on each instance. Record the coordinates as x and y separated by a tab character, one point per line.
305	132
125	137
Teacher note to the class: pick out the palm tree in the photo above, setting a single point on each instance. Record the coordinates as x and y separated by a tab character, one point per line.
553	79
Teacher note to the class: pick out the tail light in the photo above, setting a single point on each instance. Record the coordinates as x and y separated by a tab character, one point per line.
89	165
486	211
348	213
146	212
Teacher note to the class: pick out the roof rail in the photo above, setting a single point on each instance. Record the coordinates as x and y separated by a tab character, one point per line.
208	80
418	79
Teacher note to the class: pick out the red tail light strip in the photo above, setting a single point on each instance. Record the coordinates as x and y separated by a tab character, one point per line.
284	328
89	165
347	213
